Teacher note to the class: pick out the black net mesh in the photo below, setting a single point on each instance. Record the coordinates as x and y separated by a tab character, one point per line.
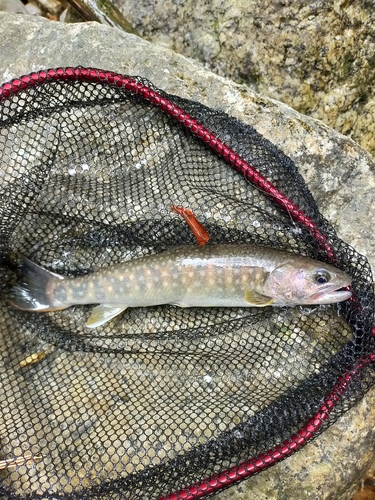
160	397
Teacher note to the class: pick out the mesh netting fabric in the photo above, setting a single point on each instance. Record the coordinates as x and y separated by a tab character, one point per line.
161	397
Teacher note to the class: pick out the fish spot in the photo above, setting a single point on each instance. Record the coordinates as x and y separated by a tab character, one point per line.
60	293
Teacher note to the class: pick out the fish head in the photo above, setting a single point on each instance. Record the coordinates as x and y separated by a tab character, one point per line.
305	281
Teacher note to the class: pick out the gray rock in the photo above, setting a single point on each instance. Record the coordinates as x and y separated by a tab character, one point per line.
14	6
318	57
340	174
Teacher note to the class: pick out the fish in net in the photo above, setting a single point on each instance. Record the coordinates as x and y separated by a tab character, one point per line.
159	401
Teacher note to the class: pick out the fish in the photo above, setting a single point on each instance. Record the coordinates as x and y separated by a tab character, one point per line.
216	275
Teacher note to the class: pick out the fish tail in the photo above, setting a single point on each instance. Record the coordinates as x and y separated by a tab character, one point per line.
35	290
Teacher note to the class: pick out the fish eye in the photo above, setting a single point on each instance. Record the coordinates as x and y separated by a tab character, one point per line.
321	276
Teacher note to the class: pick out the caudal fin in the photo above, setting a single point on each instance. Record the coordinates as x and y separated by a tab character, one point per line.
33	293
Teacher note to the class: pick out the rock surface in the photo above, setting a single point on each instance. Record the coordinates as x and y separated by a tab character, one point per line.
318	57
340	174
14	6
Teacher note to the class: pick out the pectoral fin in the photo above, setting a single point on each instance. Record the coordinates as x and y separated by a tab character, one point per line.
256	299
103	313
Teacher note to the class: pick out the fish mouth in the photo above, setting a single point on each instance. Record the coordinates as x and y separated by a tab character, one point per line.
331	294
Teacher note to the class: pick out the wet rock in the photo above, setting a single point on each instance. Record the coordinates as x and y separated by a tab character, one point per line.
318	57
340	174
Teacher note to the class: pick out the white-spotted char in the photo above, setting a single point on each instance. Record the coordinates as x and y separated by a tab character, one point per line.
188	276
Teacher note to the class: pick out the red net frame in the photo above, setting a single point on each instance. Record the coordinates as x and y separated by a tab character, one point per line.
314	424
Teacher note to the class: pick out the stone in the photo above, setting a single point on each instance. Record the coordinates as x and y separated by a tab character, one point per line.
318	57
339	172
15	6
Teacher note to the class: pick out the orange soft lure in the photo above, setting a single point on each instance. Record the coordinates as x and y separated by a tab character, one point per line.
199	231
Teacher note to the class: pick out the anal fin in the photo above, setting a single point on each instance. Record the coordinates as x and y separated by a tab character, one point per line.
257	299
103	313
